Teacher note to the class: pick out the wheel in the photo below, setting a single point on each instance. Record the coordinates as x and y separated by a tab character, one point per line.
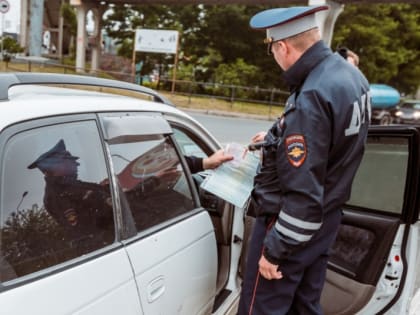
385	120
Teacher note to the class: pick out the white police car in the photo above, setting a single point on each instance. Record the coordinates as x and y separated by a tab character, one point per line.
99	213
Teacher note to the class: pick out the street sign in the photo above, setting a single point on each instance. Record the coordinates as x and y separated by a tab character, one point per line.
4	6
156	41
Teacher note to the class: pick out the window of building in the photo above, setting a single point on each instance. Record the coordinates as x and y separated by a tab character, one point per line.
56	203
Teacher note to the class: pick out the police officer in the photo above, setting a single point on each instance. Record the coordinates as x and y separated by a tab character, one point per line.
81	208
349	55
309	159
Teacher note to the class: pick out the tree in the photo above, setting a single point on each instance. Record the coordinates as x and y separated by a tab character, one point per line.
70	19
11	45
226	30
386	38
70	24
30	239
123	21
236	73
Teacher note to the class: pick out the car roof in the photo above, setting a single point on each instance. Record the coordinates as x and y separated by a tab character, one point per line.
29	101
11	79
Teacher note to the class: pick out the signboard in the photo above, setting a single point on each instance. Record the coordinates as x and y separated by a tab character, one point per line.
156	41
4	6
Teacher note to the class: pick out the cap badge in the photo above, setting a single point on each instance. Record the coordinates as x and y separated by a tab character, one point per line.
268	40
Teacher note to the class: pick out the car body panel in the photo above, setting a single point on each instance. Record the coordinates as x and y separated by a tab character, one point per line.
181	250
407	303
371	266
408	112
229	222
81	102
66	291
194	262
415	304
163	262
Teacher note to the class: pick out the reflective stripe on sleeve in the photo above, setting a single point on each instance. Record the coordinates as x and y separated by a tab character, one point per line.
289	233
299	223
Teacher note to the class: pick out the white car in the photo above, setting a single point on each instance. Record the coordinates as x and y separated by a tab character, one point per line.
124	228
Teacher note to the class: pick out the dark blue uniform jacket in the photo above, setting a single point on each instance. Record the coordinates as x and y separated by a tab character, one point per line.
194	163
313	151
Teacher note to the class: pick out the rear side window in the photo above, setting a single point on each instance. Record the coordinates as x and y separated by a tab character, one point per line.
152	182
55	198
381	179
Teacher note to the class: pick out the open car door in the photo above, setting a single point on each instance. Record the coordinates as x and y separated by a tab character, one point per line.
372	268
168	237
193	140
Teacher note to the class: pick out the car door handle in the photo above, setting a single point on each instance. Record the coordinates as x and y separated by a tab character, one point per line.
155	289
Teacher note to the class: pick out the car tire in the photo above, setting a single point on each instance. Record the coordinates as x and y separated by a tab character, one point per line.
385	120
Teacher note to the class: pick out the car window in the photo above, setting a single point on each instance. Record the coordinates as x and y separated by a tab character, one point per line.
380	181
411	106
56	202
151	179
188	146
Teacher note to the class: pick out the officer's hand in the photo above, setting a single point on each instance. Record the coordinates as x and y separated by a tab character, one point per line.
268	270
259	137
216	159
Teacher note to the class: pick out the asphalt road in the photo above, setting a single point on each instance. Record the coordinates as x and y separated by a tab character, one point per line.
232	129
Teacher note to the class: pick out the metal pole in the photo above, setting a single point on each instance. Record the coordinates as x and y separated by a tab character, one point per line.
2	35
60	34
133	60
35	28
175	66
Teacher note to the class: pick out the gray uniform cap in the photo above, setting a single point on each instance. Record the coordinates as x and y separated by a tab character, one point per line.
282	23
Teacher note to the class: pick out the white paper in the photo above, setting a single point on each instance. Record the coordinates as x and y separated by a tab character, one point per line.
233	181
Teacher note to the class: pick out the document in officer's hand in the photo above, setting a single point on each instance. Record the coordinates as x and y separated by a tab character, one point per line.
233	181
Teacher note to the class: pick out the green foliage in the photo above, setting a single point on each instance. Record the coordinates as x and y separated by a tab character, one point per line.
25	234
185	72
226	30
386	38
118	26
11	45
236	73
70	19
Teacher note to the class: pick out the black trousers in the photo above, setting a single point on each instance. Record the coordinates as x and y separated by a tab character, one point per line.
299	291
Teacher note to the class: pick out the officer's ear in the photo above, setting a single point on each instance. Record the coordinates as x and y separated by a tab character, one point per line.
280	46
286	48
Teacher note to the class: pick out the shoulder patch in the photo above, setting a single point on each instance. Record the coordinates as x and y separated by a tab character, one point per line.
296	149
71	216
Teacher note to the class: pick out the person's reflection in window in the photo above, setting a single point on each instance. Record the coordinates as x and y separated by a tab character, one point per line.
81	208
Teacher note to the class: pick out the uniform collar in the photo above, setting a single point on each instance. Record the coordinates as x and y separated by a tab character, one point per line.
297	73
61	179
